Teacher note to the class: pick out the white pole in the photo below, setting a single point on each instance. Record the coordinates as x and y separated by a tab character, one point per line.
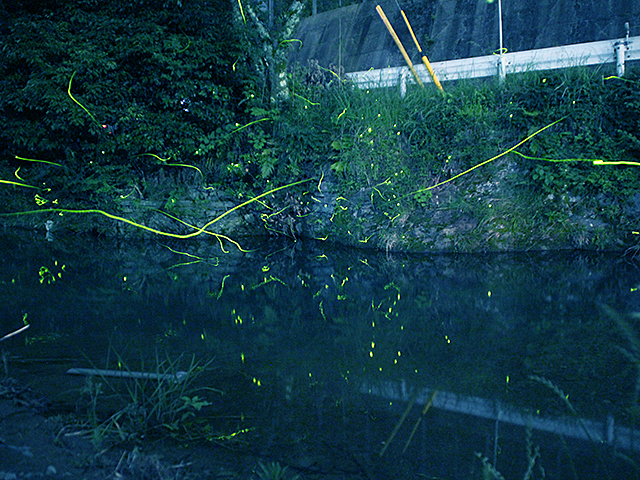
501	67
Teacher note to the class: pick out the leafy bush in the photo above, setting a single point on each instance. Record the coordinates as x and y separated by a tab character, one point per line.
87	83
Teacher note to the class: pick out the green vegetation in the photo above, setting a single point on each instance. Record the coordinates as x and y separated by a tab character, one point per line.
146	80
139	404
107	107
374	135
274	471
388	155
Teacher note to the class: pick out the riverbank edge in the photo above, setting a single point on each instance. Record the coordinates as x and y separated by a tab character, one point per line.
480	213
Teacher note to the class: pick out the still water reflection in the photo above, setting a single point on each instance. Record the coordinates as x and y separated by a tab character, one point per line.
529	361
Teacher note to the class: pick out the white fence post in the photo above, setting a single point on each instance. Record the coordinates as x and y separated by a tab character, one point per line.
581	54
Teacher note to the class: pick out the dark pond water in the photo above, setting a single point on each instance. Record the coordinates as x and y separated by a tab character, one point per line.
321	352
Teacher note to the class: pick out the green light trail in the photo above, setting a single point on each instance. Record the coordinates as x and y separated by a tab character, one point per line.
38	161
491	159
76	101
198	230
165	161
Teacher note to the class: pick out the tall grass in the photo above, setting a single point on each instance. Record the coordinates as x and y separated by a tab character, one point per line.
368	136
165	401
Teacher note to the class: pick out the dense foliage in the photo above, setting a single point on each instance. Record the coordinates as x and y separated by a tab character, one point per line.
119	96
91	84
401	145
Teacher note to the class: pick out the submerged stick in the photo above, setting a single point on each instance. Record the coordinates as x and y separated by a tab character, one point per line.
177	377
9	335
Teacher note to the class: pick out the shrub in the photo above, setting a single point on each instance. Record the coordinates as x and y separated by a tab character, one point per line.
146	80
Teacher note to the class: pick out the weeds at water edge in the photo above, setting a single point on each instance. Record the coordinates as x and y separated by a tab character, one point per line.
274	471
138	404
489	471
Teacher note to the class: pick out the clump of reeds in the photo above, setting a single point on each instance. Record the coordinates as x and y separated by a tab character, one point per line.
489	471
125	404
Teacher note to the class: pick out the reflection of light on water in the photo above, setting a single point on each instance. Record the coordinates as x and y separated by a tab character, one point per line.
49	226
583	429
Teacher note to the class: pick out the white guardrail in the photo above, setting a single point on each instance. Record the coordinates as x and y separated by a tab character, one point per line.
580	54
584	429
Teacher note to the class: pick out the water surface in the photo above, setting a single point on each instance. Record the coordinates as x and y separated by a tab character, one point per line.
529	359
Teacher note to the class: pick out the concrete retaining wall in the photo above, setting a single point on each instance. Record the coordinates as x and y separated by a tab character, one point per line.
355	38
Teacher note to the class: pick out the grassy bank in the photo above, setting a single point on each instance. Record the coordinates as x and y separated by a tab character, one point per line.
545	160
448	161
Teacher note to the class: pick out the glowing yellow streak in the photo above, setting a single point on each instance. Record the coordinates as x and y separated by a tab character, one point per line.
183	253
165	160
254	199
244	19
128	194
38	161
183	264
594	161
155	156
557	160
602	162
16	174
291	40
218	236
491	159
220	294
343	112
619	78
248	125
335	74
320	183
231	435
81	106
185	48
306	99
198	231
322	310
379	193
185	165
267	217
18	184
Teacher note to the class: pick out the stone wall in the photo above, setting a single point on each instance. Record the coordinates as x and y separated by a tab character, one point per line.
484	212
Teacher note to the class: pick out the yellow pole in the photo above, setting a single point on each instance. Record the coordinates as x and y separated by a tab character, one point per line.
399	43
415	427
399	424
425	60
